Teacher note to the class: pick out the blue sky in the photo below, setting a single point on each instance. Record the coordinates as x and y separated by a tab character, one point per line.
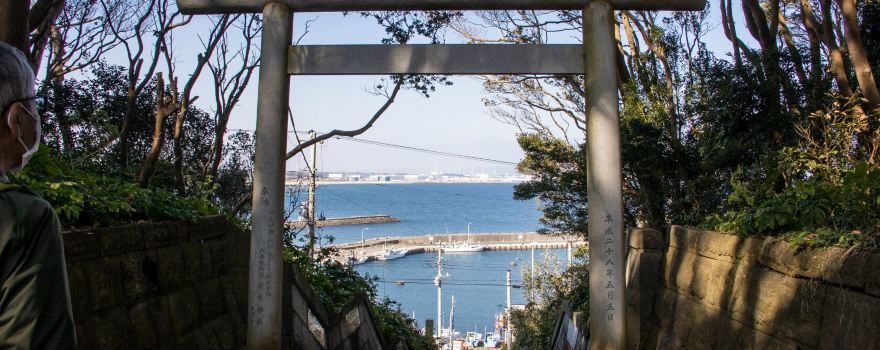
452	120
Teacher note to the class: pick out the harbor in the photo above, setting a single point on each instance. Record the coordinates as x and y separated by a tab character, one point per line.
484	236
373	249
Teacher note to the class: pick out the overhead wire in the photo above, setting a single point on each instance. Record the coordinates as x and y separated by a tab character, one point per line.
403	147
423	150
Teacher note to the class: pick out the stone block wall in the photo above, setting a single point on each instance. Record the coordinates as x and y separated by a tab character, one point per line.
169	285
308	325
706	290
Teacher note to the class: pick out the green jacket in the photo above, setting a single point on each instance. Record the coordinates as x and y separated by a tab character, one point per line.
35	310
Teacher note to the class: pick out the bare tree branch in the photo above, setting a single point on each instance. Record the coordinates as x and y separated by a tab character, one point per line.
334	133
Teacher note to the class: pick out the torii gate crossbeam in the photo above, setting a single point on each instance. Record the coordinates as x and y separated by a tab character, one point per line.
255	6
597	59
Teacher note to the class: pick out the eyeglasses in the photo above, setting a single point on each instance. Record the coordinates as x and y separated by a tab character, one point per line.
39	100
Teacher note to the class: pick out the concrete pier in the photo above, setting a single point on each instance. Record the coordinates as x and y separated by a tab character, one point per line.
431	243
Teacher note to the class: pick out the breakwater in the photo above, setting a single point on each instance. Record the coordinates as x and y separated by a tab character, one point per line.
431	243
349	220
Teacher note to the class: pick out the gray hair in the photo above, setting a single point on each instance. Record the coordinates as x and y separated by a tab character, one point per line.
16	75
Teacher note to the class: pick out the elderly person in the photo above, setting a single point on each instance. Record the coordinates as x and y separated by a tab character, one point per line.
35	310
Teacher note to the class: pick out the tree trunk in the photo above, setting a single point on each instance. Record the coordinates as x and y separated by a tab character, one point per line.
857	53
14	23
58	91
623	76
796	57
180	180
835	57
126	124
764	27
41	23
164	108
220	132
729	27
814	35
633	44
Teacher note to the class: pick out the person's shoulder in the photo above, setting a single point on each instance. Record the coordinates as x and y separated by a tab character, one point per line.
25	197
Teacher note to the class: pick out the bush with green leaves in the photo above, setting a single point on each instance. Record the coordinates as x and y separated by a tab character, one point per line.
830	183
545	291
87	199
336	285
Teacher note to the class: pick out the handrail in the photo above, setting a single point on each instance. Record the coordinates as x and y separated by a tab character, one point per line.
331	322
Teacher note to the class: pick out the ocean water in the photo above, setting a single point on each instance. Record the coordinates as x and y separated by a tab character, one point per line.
424	209
477	280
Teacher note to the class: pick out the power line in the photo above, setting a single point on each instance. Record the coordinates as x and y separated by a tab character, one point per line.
406	148
424	150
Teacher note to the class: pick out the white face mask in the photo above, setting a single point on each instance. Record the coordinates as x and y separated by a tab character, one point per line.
29	151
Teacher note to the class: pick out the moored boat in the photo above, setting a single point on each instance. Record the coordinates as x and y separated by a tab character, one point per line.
463	248
390	254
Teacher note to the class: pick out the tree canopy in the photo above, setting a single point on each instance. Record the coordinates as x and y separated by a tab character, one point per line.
752	142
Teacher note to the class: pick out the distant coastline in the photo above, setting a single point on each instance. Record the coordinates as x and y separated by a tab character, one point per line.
290	182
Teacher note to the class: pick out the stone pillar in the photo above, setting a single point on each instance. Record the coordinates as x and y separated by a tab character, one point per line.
604	181
265	272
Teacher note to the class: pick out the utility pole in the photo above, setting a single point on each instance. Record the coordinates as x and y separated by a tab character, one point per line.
507	331
569	253
534	244
452	323
439	282
313	169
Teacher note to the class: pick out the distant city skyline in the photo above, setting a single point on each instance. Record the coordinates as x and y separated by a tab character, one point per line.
498	171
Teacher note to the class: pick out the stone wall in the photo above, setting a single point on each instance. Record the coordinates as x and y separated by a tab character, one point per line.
156	286
705	290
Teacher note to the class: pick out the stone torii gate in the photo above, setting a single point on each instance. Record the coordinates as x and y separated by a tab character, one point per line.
595	58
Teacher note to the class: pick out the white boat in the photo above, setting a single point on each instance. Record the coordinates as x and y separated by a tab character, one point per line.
390	254
463	248
492	340
359	260
474	339
466	247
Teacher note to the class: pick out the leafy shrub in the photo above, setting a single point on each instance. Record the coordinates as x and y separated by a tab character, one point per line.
545	291
831	186
817	212
82	198
336	285
397	326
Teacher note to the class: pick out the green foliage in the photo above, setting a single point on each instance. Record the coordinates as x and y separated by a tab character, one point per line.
677	162
79	172
336	285
545	291
396	326
814	211
559	183
82	198
831	193
83	117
